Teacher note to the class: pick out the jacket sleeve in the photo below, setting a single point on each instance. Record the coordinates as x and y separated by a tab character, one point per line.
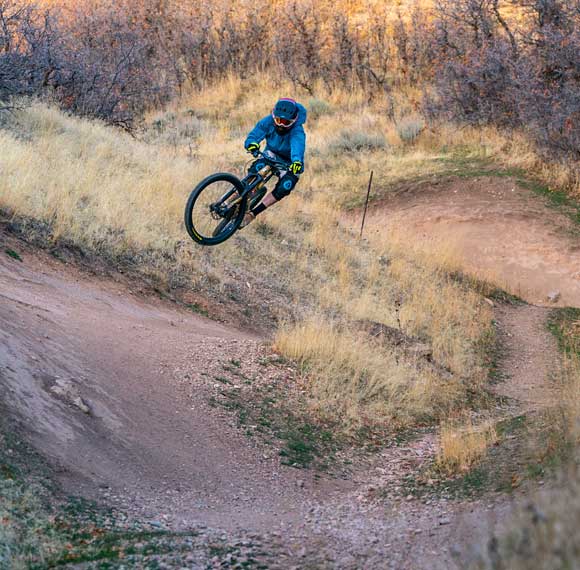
297	144
258	133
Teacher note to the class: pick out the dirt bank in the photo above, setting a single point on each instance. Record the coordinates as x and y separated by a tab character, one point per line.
114	388
496	228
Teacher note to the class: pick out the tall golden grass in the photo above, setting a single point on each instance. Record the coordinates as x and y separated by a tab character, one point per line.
348	377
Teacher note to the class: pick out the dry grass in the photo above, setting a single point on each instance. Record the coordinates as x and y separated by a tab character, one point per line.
346	376
558	437
123	198
511	149
463	444
94	185
571	397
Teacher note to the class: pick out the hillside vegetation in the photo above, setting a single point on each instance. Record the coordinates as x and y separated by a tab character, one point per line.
499	63
298	269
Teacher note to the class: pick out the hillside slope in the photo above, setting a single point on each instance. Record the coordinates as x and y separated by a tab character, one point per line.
114	386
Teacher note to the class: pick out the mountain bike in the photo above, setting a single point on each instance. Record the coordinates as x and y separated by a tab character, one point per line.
216	207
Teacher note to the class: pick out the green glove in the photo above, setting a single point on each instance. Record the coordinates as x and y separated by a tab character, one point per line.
253	148
296	167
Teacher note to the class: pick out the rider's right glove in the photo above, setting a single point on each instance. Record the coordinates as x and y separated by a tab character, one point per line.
296	167
253	148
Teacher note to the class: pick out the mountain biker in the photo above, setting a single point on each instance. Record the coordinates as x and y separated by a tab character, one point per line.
284	132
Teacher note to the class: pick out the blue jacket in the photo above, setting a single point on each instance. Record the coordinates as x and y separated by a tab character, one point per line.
289	146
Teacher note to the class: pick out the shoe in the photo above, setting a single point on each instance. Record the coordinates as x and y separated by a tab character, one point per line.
248	219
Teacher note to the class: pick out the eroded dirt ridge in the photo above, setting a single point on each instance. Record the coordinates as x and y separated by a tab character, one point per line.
91	369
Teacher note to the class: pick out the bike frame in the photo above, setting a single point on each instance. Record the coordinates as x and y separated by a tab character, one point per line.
255	180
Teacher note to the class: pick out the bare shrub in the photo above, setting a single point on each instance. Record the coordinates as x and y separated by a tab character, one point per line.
96	64
113	60
26	49
519	73
357	141
176	128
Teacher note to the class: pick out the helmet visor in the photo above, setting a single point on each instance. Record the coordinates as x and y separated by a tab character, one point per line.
282	122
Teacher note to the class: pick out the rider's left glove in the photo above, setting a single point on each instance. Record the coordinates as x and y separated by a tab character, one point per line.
253	148
296	167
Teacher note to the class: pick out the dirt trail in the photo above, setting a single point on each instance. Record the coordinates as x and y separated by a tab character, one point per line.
96	374
433	532
498	230
531	357
65	335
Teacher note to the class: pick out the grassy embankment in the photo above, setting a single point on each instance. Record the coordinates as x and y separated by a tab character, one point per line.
298	270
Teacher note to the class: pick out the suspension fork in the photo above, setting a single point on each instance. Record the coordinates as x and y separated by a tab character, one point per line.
258	180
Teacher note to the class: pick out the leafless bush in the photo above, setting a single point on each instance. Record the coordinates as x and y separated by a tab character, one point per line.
97	64
113	59
26	49
523	74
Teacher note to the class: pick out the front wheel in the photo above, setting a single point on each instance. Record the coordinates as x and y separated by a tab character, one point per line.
214	210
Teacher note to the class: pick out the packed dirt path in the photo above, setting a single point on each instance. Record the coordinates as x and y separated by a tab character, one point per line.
530	359
496	228
89	368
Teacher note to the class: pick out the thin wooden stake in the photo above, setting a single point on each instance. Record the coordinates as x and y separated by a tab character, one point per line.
366	204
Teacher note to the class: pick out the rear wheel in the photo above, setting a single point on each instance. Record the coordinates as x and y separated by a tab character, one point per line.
214	210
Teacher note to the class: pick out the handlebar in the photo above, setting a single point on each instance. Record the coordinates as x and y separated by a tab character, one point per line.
276	163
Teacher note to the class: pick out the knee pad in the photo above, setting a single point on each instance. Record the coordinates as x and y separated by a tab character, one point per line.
285	185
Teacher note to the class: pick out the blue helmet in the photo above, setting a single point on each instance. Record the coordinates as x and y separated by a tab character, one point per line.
285	113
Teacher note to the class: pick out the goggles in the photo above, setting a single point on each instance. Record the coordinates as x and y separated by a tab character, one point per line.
280	122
